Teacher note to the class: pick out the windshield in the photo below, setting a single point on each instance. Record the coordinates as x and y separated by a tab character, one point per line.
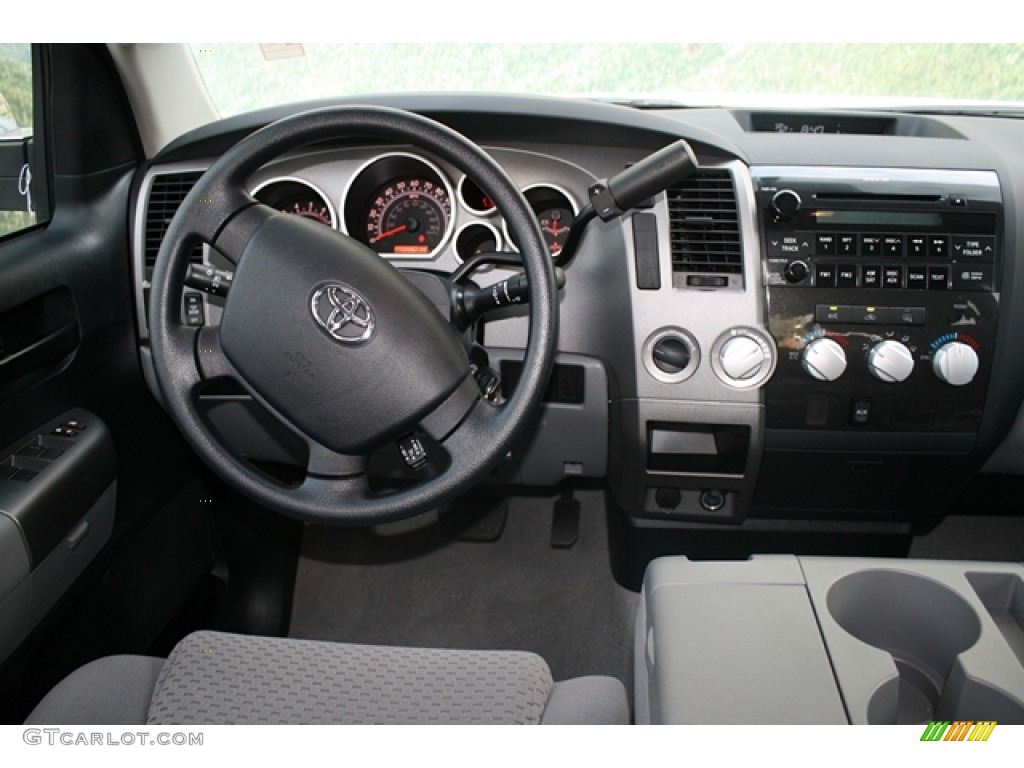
243	77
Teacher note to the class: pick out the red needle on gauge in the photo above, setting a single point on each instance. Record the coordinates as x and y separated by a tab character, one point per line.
389	233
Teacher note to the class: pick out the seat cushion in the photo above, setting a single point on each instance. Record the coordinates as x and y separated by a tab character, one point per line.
115	690
215	678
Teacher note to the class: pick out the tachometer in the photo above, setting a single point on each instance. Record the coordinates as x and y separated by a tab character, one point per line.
408	216
296	197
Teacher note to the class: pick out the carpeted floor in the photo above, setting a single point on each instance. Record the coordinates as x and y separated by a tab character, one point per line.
974	537
412	584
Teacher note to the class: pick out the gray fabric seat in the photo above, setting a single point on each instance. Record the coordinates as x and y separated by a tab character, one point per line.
217	678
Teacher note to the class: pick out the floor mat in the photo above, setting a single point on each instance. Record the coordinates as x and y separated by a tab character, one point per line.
974	537
412	584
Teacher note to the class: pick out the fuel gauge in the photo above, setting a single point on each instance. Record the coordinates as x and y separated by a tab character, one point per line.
555	212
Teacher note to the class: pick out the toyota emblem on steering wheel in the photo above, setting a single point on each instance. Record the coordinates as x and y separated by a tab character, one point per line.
343	313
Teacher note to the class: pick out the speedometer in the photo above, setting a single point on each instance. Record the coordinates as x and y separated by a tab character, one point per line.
408	216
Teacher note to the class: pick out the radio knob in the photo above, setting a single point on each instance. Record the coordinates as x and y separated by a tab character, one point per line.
786	203
796	272
742	358
955	363
824	360
890	361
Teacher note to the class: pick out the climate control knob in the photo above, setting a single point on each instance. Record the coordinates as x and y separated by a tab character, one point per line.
824	360
890	361
955	363
742	358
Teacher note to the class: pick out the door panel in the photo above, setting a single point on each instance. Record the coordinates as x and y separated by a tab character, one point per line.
68	344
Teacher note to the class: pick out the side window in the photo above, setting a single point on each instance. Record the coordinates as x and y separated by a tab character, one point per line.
17	208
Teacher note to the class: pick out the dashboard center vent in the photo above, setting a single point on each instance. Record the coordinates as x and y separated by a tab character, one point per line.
704	224
165	197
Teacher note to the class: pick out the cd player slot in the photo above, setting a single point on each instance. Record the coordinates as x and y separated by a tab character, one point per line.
861	197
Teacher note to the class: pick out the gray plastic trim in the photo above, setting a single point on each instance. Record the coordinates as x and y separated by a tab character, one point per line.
704	313
922	616
734	643
571	440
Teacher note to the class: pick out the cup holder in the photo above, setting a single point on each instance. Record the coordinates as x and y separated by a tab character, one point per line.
923	625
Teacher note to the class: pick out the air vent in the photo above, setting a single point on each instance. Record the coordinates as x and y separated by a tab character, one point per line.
704	225
165	197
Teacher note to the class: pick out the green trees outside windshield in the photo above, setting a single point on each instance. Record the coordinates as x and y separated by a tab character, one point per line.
240	78
15	114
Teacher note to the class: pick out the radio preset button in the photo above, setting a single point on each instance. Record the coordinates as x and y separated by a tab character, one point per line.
825	245
846	245
892	246
938	247
917	246
870	245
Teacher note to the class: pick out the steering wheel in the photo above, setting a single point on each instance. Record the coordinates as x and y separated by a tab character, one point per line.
332	340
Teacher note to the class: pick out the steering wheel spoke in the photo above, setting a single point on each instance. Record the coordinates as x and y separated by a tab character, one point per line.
237	230
327	463
211	363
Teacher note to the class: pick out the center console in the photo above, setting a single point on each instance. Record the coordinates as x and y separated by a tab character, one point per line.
813	640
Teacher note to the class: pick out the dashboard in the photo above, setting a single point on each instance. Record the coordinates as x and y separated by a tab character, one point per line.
816	326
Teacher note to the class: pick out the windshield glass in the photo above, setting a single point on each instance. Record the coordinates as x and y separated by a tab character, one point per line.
242	77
